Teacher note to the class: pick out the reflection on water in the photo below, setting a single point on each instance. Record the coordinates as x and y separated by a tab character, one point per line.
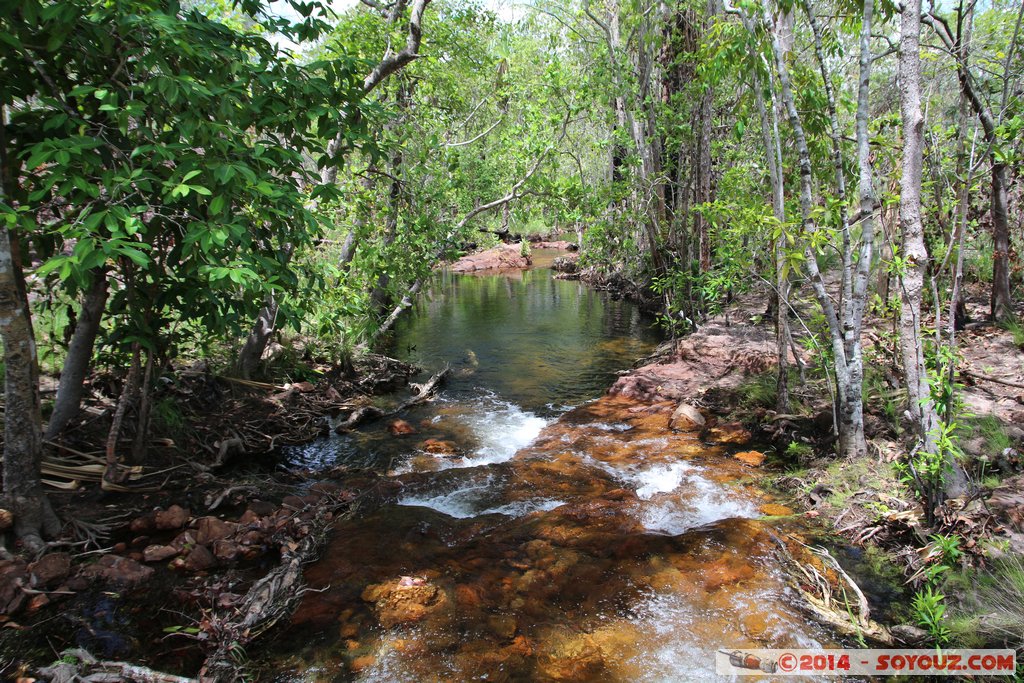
519	539
537	341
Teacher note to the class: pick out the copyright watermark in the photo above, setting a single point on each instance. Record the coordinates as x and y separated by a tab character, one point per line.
936	662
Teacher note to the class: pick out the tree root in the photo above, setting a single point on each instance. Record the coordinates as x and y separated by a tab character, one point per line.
840	604
79	665
269	600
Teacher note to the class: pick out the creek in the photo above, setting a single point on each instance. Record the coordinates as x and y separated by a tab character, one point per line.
532	527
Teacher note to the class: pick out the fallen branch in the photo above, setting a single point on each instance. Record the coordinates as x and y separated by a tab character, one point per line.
986	378
423	393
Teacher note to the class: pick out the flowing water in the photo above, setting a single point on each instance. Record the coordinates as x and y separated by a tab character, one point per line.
531	528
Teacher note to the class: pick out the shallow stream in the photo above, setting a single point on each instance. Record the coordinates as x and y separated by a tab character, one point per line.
533	528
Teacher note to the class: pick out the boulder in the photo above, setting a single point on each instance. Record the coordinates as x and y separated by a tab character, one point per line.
210	529
49	570
405	600
686	418
158	553
400	428
174	517
123	572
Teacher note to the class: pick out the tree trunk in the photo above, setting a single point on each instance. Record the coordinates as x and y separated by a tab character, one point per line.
1002	304
112	473
79	358
921	406
252	351
23	421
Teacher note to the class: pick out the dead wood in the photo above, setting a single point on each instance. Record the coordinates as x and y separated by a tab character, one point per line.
838	602
87	669
421	393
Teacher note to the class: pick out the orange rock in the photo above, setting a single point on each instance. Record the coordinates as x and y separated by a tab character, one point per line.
439	447
396	603
401	427
752	458
723	573
775	510
364	662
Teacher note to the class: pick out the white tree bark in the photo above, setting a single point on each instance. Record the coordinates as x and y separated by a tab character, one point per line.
915	254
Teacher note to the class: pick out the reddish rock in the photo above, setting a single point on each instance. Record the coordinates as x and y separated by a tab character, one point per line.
292	502
210	529
752	458
49	570
248	517
120	548
144	524
13	577
158	553
438	447
730	433
184	540
400	428
261	508
501	257
225	550
38	602
723	573
251	538
199	559
405	600
119	571
712	357
174	517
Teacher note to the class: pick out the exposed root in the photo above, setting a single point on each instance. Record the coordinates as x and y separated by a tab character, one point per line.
78	665
837	601
270	599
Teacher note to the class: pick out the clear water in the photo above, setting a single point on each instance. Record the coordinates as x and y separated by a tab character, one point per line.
569	537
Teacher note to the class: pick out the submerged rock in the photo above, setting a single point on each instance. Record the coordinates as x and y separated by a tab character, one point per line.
405	600
400	428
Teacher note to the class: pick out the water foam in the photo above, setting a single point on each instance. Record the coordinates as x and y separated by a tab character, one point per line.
500	428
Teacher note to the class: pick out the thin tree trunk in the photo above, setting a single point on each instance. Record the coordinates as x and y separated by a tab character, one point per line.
844	333
921	406
112	473
1001	303
79	358
140	447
